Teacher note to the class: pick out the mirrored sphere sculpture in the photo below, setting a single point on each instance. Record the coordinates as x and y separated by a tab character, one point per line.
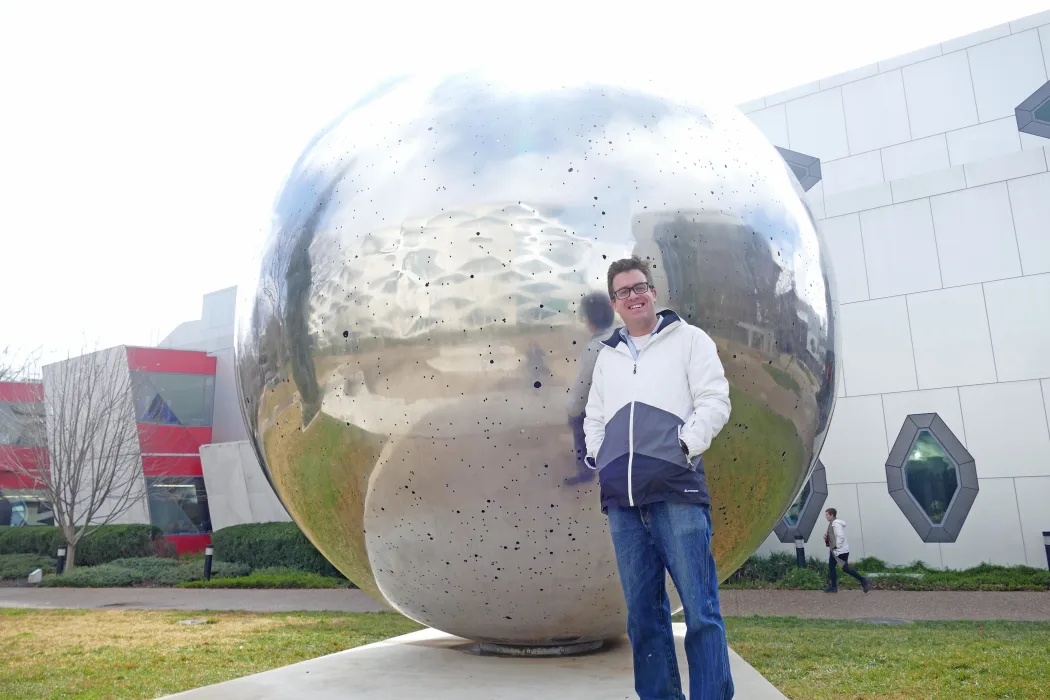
410	353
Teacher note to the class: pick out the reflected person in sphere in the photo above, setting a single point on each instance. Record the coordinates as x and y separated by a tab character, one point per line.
658	398
598	315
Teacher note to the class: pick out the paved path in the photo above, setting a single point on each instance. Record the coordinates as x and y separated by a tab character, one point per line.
897	605
847	605
344	600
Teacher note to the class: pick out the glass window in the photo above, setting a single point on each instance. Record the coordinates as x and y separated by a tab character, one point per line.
22	424
173	399
799	506
930	476
178	505
24	507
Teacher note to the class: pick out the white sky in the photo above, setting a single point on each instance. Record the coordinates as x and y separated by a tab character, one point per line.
141	146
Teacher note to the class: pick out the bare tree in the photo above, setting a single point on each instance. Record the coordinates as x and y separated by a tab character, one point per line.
16	366
89	466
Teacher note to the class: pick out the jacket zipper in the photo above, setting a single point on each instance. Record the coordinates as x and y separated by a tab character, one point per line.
630	458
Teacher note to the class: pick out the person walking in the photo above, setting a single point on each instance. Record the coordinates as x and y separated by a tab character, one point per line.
835	540
658	398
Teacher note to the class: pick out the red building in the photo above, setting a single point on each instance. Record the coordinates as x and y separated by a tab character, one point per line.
173	392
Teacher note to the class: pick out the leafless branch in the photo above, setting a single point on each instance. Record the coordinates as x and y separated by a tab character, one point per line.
89	467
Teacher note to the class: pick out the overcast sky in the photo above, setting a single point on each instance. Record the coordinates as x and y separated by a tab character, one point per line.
142	144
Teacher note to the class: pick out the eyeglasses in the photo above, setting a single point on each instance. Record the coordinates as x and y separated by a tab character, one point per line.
639	289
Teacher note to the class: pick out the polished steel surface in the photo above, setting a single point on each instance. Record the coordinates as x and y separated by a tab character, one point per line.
414	349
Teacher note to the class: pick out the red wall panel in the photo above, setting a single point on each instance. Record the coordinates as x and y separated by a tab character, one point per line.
172	439
189	544
30	459
174	361
188	465
21	392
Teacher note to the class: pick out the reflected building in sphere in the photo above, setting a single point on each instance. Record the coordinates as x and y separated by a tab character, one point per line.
409	353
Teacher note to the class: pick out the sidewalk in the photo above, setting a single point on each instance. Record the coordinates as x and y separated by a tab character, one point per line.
846	605
892	605
270	600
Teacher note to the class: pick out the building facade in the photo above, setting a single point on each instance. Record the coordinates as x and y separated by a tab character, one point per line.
934	203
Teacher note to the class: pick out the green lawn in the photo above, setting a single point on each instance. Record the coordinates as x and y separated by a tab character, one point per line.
139	654
815	659
144	654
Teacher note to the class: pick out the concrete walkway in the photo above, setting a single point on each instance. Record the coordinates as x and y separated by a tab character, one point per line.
283	600
847	605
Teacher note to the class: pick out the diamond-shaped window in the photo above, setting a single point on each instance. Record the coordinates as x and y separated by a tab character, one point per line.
804	511
1033	115
806	168
931	477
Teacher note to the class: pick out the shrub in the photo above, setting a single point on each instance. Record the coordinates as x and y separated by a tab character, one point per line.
803	579
100	546
870	564
778	571
262	545
272	578
101	576
143	570
17	566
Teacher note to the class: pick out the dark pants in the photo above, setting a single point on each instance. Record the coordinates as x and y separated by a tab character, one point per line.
833	573
671	537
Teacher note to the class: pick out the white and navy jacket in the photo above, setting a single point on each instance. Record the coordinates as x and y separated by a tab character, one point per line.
644	413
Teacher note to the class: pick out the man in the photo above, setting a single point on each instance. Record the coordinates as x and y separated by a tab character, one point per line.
658	397
835	539
598	315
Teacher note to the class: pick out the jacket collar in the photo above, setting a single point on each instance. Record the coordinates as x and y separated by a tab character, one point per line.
664	318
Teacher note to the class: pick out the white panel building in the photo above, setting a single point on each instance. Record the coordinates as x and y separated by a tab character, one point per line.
935	209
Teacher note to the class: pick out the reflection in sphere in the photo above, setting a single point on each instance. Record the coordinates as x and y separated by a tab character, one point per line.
415	353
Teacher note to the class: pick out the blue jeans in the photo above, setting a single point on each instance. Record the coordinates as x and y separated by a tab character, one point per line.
675	537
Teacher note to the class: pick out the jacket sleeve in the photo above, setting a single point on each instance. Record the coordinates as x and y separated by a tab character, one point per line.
840	534
710	391
594	420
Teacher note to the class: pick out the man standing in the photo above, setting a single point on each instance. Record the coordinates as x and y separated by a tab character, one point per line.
835	539
658	397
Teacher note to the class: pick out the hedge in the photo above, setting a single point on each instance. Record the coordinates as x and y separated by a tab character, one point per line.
263	545
273	577
101	545
18	566
778	570
140	571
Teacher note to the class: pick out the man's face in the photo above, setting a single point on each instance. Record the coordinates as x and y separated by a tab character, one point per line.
829	517
636	309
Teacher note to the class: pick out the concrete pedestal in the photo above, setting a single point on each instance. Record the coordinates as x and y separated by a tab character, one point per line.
437	666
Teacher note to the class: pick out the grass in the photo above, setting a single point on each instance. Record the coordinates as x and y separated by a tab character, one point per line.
142	654
817	659
323	474
783	379
88	654
757	455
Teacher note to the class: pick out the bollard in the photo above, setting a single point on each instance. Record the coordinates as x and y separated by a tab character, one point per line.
1046	545
208	551
60	565
800	552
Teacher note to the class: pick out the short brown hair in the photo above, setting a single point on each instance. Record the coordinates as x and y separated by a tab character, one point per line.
834	513
626	265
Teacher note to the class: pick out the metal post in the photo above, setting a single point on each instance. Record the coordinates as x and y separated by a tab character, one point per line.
208	551
60	565
800	552
1046	546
